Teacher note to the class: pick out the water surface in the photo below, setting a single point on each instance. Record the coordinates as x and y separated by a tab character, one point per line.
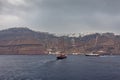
46	67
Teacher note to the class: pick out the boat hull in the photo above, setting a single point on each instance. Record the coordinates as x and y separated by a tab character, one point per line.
92	55
63	57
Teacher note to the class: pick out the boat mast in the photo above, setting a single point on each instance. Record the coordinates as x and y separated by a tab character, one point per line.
62	44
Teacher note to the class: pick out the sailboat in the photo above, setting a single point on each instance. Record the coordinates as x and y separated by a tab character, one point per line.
94	52
62	55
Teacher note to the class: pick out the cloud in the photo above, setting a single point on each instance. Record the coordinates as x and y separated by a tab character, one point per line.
17	2
62	15
9	19
81	15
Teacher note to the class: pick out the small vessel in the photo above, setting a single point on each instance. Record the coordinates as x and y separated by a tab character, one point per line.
92	54
61	56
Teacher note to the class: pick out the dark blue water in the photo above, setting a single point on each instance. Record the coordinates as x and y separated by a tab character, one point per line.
46	67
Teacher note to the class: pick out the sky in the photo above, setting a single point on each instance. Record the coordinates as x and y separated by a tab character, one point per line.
61	16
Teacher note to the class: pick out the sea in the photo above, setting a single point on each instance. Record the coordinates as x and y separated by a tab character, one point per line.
46	67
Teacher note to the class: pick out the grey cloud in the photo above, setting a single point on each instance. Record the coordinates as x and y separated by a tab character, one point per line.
67	15
64	12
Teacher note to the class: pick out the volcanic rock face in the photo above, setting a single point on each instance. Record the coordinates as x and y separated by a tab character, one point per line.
26	41
22	41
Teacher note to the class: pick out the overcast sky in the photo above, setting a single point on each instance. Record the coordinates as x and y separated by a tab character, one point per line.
61	16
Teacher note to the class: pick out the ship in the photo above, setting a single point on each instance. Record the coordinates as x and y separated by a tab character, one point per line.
91	54
94	53
61	56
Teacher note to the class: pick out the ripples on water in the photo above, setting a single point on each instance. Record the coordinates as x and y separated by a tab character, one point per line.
46	67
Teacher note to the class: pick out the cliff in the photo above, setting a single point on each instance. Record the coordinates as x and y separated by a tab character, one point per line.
26	41
22	41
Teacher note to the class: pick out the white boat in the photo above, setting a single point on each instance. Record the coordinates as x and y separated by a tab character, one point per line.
91	54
